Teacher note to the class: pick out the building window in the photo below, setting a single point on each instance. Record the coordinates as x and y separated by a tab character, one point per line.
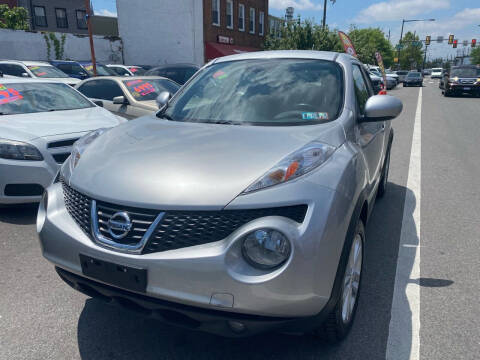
61	15
229	14
216	12
81	19
251	22
261	22
40	17
241	17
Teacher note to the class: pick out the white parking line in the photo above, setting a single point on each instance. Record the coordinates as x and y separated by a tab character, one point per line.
404	330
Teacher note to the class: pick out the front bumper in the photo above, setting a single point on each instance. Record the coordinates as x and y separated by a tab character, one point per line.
463	88
15	173
215	276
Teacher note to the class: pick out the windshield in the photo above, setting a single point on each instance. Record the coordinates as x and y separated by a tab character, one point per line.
465	73
275	92
23	98
137	71
102	70
47	72
149	89
414	75
437	70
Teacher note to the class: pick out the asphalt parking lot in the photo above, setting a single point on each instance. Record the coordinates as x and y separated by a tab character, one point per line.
43	318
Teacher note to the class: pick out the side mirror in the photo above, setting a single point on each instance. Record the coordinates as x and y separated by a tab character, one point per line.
120	100
25	75
163	98
381	108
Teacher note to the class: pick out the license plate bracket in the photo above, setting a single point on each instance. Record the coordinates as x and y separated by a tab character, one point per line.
126	277
467	88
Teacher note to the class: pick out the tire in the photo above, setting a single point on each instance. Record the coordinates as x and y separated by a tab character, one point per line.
339	322
382	187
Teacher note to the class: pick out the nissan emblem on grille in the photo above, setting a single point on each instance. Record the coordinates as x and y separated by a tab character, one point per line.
119	225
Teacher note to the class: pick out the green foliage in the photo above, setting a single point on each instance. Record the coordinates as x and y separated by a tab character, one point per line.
475	56
58	45
368	41
411	54
298	35
15	18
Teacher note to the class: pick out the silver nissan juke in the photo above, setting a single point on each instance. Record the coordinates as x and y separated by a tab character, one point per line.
239	207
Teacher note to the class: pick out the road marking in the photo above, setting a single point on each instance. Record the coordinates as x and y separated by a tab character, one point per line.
404	330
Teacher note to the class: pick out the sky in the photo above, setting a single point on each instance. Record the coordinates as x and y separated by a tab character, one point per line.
458	17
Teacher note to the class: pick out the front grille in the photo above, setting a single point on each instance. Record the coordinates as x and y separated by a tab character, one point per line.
177	229
141	220
61	143
470	82
78	206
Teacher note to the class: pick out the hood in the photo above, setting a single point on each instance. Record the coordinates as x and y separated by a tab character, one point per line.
168	165
24	127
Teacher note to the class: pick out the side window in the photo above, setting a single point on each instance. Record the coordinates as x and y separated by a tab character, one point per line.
89	89
107	90
12	69
361	88
120	71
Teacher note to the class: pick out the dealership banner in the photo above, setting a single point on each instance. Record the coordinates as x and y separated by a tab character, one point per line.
347	44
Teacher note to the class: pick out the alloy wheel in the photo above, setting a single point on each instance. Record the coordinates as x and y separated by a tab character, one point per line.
351	282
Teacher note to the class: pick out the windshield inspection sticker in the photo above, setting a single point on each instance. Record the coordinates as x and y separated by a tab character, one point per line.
219	75
9	95
315	116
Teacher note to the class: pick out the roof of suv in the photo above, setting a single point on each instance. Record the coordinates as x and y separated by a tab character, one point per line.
27	63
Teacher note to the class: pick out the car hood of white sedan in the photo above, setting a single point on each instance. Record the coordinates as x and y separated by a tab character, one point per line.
25	127
168	165
68	80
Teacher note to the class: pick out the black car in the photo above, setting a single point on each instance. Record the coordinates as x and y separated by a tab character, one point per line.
413	78
462	79
180	73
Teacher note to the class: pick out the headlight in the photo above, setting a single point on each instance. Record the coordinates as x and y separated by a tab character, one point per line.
453	80
297	164
16	150
266	248
81	144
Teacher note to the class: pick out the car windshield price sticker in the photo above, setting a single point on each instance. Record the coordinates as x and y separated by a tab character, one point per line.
8	95
315	116
140	87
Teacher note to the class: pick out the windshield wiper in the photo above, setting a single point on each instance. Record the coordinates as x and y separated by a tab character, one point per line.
224	122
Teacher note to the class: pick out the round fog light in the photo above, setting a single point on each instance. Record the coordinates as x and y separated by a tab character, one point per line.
266	248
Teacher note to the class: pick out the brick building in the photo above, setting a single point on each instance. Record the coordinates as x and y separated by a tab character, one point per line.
233	26
191	31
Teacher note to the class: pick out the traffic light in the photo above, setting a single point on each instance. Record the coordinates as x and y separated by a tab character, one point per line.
427	40
455	43
474	43
450	39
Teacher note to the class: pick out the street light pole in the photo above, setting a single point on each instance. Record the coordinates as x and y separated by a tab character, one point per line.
90	35
324	23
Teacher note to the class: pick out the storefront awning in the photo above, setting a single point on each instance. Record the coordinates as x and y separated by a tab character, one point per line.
215	50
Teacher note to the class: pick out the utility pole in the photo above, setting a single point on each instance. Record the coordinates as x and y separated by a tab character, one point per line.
90	35
424	58
324	23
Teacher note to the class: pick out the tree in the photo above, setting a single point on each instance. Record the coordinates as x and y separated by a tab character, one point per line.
15	18
298	35
368	41
411	54
475	56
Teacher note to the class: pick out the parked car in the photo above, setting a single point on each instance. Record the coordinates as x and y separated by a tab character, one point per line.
130	97
391	82
35	70
464	79
392	74
180	73
82	69
427	72
402	74
413	78
39	122
240	206
126	70
437	73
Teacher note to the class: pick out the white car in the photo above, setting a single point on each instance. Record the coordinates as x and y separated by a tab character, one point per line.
36	70
39	122
437	73
127	70
129	97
